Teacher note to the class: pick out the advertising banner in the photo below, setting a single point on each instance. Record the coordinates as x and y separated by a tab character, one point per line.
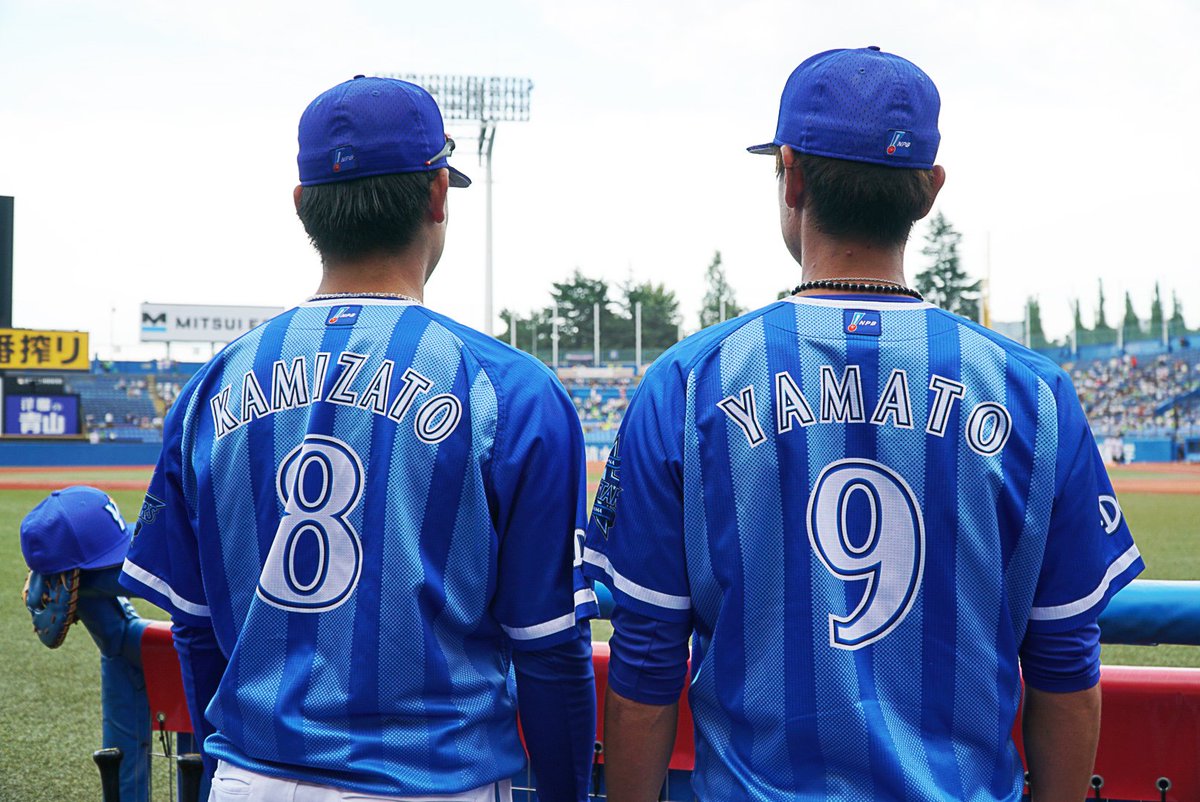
38	349
41	415
164	323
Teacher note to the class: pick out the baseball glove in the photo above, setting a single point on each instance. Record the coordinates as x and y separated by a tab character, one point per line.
51	601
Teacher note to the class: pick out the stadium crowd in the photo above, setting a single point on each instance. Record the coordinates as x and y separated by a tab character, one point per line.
600	402
1120	395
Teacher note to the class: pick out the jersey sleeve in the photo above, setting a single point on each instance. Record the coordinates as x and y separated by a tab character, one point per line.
163	563
538	479
1090	553
635	536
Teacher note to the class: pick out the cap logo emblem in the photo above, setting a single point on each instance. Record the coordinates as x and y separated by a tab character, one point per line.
899	144
343	159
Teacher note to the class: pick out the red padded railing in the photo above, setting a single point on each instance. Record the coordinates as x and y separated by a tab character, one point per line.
1150	725
164	683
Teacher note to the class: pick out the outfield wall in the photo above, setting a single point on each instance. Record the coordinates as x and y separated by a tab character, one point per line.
1149	449
43	454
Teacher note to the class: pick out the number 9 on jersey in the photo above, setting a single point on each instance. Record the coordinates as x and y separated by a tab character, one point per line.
891	556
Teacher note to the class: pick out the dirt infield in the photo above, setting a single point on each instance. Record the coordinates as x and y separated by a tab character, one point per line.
124	477
1173	478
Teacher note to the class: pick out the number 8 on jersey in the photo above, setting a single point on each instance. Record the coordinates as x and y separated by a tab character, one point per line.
316	556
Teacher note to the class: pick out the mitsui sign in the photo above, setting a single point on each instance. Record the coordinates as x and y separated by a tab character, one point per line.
201	324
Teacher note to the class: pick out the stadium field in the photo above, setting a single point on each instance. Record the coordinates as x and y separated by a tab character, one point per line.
50	713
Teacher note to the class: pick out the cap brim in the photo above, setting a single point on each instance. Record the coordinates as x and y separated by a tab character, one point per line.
114	555
458	179
768	149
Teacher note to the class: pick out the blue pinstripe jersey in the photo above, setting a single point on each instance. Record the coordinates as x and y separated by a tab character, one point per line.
371	505
862	506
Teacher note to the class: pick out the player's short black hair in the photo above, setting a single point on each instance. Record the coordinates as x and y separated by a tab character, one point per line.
350	220
863	202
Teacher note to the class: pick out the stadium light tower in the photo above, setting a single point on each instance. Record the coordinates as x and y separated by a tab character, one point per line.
487	101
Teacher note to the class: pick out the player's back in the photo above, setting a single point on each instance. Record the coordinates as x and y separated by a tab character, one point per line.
347	480
867	488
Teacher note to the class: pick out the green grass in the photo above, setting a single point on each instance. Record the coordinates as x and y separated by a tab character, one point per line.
1167	531
50	700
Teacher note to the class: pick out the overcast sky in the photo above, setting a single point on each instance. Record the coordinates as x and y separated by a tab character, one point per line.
151	145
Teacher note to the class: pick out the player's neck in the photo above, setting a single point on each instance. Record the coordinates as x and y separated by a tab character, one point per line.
825	259
399	275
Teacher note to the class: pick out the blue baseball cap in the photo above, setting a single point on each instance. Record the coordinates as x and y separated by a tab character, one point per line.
860	105
76	527
373	126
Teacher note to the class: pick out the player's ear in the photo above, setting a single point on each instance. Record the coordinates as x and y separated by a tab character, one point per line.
792	178
296	195
439	188
939	180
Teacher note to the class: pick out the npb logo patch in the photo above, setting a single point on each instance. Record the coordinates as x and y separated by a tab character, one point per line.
861	321
343	159
899	144
344	316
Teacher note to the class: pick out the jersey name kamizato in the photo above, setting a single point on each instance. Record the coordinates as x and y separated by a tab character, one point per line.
297	384
840	400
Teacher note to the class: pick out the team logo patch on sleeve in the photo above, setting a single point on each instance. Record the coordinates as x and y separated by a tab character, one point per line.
149	512
861	321
604	510
1110	514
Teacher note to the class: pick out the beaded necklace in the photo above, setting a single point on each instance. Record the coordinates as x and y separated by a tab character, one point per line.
855	284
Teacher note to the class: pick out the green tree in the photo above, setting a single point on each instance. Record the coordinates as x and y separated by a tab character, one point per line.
1156	312
718	288
1077	313
660	314
1101	317
945	283
576	299
533	330
1036	334
1131	327
1177	313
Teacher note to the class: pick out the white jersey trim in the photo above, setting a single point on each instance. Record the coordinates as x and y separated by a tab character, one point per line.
367	300
582	597
151	581
1060	611
846	303
633	589
541	630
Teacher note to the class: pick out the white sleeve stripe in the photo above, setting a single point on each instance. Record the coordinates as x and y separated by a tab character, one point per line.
541	630
1060	611
634	590
582	597
151	581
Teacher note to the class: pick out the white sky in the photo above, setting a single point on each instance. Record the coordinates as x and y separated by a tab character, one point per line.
151	145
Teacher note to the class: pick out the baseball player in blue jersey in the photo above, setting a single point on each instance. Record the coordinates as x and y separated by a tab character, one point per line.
367	515
866	513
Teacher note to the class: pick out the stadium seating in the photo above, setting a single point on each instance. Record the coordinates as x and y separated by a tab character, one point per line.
1125	394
